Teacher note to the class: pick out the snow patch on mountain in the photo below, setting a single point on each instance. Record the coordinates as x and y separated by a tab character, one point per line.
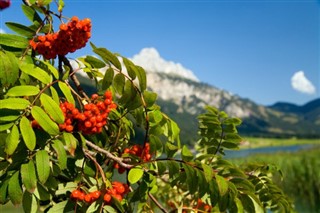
150	60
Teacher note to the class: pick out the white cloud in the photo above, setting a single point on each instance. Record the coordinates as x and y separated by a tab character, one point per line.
150	59
2	31
300	83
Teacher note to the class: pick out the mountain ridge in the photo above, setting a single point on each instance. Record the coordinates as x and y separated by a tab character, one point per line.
187	98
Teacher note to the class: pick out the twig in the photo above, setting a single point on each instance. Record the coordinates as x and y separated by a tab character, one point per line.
74	78
157	203
109	155
97	165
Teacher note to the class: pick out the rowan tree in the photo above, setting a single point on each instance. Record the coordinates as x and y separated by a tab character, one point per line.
114	150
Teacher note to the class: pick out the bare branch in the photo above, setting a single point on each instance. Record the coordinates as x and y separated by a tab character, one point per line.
109	155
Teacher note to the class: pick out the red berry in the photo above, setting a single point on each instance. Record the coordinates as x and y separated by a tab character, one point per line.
88	198
81	196
108	95
96	194
107	198
88	124
69	128
94	96
118	197
75	194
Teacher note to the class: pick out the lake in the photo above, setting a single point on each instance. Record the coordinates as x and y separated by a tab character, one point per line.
271	149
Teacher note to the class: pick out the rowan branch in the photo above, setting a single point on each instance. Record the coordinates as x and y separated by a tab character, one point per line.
109	155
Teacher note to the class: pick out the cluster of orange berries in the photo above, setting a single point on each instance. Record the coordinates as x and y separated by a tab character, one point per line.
117	191
92	119
80	195
137	150
71	36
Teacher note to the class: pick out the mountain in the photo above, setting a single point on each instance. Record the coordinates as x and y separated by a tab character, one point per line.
183	99
309	112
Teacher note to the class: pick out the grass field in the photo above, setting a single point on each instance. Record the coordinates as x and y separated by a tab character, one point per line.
252	142
301	175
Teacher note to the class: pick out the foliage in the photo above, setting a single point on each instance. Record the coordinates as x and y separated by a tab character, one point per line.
63	151
301	174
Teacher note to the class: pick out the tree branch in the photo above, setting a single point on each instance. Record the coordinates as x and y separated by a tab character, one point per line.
157	203
109	155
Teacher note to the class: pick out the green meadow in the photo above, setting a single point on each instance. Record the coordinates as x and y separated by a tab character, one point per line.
300	172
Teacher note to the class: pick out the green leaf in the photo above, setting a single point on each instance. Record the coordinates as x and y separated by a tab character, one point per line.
95	62
61	153
233	137
31	14
109	209
230	145
21	29
107	79
42	165
191	178
28	135
234	121
44	121
63	188
128	95
119	83
14	103
107	56
41	193
67	92
170	149
15	41
9	115
12	140
23	91
71	142
141	74
174	168
49	67
52	108
4	191
59	207
6	126
149	97
135	174
54	95
247	203
28	176
9	68
222	184
130	68
36	72
186	154
208	172
14	189
29	203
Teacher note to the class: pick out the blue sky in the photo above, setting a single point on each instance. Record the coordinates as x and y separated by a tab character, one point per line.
250	48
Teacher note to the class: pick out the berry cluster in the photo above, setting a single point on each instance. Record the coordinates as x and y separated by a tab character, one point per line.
92	119
71	36
117	191
80	195
137	150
